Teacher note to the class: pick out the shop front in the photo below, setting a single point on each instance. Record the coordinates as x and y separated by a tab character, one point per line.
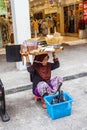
83	19
65	17
75	18
71	19
47	13
6	27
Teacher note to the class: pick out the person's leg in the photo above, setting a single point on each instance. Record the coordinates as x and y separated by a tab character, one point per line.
43	89
54	83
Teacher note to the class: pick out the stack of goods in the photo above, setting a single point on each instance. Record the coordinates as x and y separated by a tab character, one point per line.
54	39
32	44
29	45
26	47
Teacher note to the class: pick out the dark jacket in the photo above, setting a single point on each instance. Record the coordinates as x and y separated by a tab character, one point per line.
35	78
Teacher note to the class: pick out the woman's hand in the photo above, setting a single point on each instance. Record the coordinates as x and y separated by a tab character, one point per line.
54	56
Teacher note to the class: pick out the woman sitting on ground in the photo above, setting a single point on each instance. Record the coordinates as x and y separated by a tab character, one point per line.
40	72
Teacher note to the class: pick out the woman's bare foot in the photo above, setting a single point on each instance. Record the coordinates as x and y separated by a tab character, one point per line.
44	105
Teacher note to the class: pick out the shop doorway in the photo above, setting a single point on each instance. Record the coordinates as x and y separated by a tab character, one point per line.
71	19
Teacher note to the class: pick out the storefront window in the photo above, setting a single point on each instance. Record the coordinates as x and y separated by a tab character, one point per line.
6	26
71	18
3	10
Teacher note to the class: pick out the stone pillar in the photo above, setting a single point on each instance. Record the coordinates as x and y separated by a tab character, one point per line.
0	38
21	24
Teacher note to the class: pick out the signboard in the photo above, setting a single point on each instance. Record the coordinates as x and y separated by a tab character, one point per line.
2	7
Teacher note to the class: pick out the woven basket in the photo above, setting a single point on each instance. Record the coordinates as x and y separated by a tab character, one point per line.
54	40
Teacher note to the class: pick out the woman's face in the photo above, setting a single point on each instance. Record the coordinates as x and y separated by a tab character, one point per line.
45	60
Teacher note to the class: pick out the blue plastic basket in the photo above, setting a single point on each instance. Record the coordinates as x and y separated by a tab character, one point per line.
60	109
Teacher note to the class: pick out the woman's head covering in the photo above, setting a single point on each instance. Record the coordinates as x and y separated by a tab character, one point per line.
43	71
40	57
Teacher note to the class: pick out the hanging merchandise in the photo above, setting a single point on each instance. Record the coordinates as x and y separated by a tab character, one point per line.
4	31
82	14
50	1
82	24
83	9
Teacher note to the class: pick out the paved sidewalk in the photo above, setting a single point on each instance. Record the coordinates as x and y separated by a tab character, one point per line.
26	114
72	60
